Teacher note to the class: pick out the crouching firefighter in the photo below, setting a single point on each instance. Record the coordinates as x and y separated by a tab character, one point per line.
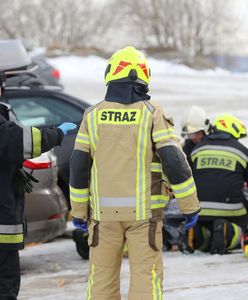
111	174
17	144
220	168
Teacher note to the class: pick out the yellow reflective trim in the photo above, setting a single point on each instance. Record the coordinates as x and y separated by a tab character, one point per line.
141	165
36	141
245	249
156	167
138	169
82	138
91	131
219	154
11	238
77	199
159	132
164	134
79	191
236	237
154	206
93	193
82	141
83	135
186	193
184	189
92	125
156	286
160	197
168	137
222	213
161	205
95	125
79	195
119	116
182	185
90	282
159	201
146	111
95	197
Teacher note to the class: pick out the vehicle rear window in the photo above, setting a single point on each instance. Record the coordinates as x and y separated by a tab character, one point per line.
44	111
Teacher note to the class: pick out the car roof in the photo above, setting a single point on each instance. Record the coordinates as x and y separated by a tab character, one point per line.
12	92
13	55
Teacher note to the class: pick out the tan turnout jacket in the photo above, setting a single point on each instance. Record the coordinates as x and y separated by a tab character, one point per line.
122	140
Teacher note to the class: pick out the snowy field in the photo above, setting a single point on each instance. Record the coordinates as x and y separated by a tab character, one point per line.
55	271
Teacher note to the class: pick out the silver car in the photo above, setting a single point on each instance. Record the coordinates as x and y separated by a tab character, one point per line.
45	208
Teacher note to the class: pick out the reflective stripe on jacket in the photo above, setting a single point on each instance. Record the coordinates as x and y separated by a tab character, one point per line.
121	140
220	170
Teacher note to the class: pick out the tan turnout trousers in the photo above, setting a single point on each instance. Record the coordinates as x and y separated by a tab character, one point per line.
144	241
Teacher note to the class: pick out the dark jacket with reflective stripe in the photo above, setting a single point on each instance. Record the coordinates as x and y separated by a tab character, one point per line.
17	144
220	170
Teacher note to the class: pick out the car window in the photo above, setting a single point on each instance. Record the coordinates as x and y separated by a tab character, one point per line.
44	111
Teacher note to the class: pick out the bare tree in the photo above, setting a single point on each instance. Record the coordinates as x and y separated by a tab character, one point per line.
64	23
189	26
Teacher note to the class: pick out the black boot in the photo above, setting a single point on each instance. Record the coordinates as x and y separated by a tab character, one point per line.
218	244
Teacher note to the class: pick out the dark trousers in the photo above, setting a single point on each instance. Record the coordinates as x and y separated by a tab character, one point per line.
9	274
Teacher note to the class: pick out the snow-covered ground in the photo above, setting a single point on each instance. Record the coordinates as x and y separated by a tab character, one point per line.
55	271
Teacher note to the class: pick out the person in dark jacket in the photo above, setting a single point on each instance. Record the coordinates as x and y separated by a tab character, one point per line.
195	126
220	168
16	145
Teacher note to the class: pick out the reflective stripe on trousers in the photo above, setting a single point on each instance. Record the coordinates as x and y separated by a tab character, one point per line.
156	292
11	234
90	283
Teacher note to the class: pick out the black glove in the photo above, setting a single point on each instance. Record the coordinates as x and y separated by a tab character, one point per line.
23	182
28	187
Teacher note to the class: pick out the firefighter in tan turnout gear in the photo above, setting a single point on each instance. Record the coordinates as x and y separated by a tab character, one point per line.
110	184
